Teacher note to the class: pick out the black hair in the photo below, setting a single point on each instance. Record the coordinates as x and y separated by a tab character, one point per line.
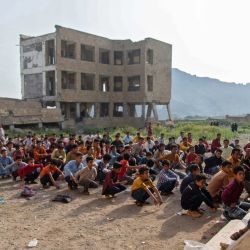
29	159
173	146
218	150
117	165
238	169
142	170
89	158
126	156
165	163
235	150
107	157
74	146
119	158
132	162
78	154
55	162
149	154
200	177
19	157
193	167
150	163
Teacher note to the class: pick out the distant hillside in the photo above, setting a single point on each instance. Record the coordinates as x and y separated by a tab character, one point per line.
203	96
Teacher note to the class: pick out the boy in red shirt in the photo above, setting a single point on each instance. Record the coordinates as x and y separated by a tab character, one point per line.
111	186
29	173
122	176
191	156
50	174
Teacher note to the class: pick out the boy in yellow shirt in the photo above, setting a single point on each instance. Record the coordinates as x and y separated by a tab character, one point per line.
143	188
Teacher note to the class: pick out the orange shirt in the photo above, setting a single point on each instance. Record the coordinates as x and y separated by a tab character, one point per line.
47	170
172	158
37	152
185	147
83	150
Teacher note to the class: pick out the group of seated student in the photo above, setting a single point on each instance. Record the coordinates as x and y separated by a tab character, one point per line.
151	167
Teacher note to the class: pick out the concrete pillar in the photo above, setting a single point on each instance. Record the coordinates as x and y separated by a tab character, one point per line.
58	105
125	109
111	108
143	110
155	112
78	110
40	125
169	112
97	110
149	111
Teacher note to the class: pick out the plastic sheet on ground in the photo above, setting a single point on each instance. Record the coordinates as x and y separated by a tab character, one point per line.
193	245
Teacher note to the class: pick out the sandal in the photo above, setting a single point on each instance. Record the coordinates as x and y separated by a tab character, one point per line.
237	235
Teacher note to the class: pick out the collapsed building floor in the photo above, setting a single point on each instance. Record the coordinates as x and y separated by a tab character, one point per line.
15	113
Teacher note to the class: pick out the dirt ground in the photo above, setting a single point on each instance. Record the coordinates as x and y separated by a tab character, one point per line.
94	222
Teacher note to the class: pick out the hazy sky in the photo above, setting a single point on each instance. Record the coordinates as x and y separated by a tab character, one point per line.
209	37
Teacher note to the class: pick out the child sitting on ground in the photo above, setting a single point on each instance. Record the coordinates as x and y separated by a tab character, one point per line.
143	188
71	168
168	180
231	195
50	174
219	181
152	172
87	175
15	166
111	186
194	194
122	176
29	172
194	171
103	168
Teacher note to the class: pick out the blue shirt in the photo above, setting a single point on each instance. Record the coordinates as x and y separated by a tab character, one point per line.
71	168
5	161
166	175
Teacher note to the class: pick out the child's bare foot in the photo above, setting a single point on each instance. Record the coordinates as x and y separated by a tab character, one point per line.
194	214
237	235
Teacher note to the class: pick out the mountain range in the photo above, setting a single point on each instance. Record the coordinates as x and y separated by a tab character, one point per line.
207	97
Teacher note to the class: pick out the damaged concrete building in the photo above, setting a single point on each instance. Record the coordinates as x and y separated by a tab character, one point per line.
96	81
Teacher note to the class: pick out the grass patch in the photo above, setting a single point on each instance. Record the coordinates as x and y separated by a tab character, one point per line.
197	128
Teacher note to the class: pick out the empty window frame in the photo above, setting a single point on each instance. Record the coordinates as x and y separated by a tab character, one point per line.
87	81
135	110
118	110
118	57
50	52
104	84
68	80
68	49
104	56
104	109
50	83
134	83
134	56
150	83
150	56
87	53
87	110
117	83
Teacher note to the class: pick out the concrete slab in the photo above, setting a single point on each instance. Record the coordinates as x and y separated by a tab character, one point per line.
224	235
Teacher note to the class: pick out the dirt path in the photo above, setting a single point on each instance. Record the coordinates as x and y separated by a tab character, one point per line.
94	222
